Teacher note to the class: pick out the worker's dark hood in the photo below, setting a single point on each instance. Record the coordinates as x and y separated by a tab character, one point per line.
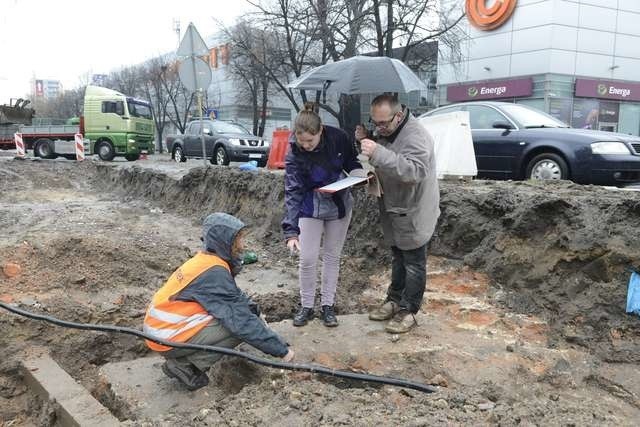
218	232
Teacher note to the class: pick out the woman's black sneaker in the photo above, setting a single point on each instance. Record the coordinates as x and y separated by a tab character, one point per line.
328	316
304	315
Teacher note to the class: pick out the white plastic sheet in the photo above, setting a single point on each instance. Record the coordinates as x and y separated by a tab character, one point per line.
453	144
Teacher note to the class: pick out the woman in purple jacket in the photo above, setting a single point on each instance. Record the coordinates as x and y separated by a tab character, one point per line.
319	155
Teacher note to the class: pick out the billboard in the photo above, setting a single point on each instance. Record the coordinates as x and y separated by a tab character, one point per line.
623	91
98	79
39	88
494	89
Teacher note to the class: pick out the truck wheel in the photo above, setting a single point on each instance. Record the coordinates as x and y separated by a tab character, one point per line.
106	151
178	155
132	157
220	157
44	148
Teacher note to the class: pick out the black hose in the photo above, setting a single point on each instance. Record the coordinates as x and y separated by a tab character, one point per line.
316	369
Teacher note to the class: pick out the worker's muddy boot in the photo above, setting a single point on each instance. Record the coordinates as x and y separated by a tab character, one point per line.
191	377
384	312
402	322
328	316
304	315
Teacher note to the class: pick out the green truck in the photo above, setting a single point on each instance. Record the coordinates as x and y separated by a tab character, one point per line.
113	123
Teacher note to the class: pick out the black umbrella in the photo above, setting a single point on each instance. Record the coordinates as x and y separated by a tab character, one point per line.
360	74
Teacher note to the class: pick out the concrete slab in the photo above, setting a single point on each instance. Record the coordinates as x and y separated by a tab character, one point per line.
148	392
76	406
465	357
255	279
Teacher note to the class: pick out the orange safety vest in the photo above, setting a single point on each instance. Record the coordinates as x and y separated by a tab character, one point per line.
175	320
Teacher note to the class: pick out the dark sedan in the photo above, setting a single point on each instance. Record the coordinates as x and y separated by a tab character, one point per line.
513	141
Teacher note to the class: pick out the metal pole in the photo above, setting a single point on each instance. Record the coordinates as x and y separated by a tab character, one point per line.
199	95
204	150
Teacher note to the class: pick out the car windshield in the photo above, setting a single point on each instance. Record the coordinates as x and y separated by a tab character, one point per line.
224	127
138	109
530	118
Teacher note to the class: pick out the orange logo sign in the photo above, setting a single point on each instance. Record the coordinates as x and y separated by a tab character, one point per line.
487	18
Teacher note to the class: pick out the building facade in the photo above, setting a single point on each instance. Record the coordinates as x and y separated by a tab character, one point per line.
225	97
578	60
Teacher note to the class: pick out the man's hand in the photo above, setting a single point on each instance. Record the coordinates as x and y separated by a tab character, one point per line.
368	147
293	244
289	356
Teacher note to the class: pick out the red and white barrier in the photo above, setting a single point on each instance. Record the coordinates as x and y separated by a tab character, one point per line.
20	152
79	147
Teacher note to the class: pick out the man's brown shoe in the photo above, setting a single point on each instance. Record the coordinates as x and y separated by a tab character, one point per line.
401	323
385	311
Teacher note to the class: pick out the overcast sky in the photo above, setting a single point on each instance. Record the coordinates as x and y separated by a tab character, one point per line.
63	40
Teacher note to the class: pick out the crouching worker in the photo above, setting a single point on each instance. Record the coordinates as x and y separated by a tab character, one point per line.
201	304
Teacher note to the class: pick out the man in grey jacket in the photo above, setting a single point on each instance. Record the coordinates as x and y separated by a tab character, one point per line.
404	161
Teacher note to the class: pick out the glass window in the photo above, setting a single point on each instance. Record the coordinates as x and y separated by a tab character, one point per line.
585	114
528	117
483	117
444	110
537	103
560	108
629	119
226	127
609	112
116	107
138	109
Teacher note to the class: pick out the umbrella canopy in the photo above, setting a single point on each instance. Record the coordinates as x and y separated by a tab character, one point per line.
361	74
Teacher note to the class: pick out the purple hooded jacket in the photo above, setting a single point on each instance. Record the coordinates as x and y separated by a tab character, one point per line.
306	171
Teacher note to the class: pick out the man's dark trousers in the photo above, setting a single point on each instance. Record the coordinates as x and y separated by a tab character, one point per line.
408	277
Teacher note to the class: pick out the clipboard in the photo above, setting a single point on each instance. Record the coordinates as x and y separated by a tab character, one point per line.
347	182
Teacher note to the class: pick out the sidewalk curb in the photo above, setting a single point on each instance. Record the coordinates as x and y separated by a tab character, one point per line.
75	405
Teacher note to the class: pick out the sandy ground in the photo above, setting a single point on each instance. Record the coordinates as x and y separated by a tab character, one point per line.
523	322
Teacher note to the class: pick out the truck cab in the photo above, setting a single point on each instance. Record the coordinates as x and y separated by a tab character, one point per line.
117	125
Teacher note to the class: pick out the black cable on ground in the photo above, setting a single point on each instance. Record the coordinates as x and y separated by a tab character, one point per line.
316	369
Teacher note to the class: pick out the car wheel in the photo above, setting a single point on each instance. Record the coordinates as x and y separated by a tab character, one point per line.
547	166
221	157
262	163
44	148
106	151
178	155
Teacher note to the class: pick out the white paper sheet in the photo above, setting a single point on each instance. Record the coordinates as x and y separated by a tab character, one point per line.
342	184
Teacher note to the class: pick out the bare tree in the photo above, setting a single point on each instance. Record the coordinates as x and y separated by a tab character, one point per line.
409	24
249	64
155	91
67	105
127	80
295	44
180	99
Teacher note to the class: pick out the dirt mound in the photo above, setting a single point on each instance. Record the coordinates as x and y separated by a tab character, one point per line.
26	175
89	264
557	249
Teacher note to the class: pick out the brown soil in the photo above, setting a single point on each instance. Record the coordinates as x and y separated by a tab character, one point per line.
542	262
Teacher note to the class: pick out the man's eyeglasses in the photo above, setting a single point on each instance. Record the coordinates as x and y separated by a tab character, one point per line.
384	123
